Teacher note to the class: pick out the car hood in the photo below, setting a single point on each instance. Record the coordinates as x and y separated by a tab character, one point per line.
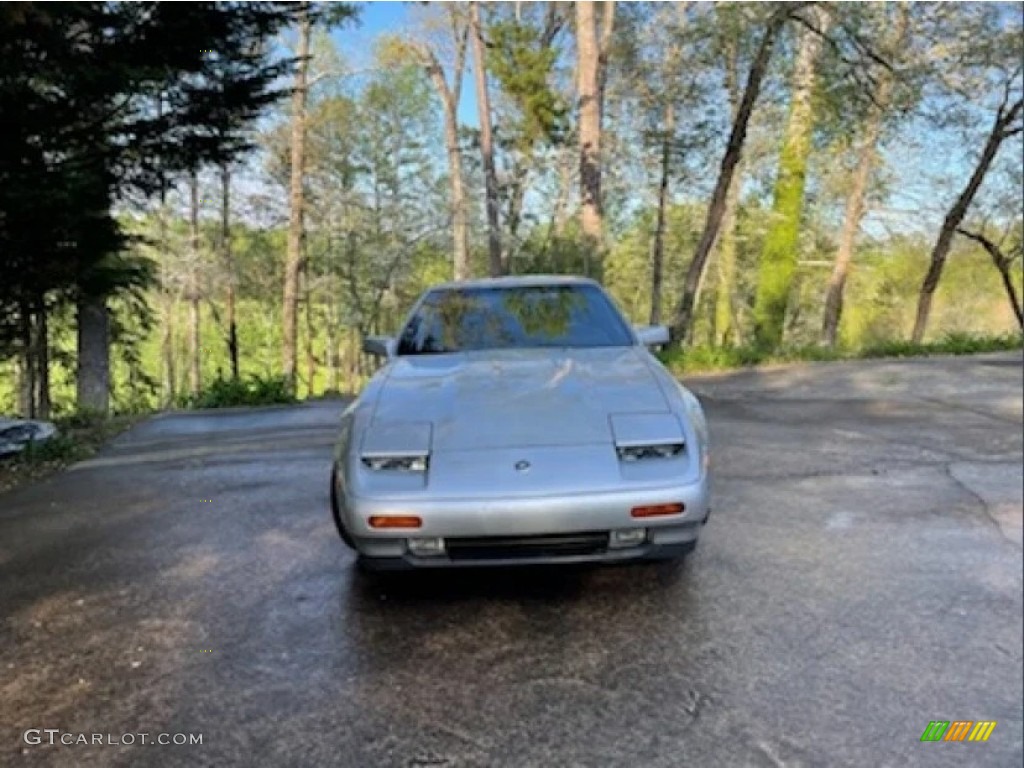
512	398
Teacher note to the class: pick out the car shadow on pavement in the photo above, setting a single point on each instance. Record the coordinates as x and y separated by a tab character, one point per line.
404	622
538	584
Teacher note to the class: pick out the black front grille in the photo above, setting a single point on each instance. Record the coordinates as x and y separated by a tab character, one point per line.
507	547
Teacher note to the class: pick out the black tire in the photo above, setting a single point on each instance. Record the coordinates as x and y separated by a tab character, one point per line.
335	513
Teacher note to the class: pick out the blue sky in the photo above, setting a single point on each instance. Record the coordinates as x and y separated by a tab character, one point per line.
383	17
375	19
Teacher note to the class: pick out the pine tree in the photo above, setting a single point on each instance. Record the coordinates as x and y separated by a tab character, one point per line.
99	101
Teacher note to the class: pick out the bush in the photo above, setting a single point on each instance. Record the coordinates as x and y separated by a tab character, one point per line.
224	393
950	344
696	359
59	448
84	418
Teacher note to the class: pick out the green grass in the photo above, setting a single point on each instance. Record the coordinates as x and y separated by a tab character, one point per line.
702	359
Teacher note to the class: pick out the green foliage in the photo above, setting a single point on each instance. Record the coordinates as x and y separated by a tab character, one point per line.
779	258
59	448
546	251
225	393
377	215
83	418
950	344
332	15
704	358
131	323
79	436
708	358
628	268
523	61
102	100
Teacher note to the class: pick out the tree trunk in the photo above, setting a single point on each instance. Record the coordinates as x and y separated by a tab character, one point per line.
603	51
93	355
722	317
23	384
168	375
724	332
310	356
1002	263
27	391
460	231
588	89
1011	292
733	152
779	257
486	144
450	101
559	216
333	356
516	198
356	355
194	351
855	203
229	266
296	202
1000	130
658	244
42	361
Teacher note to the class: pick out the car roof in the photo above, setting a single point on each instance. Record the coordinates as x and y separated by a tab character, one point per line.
517	281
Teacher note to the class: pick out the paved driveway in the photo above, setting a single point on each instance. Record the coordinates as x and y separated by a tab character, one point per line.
861	576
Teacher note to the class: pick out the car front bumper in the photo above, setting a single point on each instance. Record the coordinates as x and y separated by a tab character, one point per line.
645	552
528	520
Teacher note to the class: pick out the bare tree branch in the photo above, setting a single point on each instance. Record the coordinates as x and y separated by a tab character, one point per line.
1002	262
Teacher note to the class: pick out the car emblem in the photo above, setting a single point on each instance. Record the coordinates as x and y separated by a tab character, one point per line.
522	466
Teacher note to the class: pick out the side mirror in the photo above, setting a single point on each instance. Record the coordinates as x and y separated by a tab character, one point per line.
382	346
651	335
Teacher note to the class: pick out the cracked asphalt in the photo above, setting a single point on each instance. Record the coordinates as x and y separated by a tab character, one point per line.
861	575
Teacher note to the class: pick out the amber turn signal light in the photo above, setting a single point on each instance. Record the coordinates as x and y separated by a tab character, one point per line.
657	510
395	521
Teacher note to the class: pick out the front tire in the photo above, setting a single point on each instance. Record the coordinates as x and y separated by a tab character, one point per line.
335	513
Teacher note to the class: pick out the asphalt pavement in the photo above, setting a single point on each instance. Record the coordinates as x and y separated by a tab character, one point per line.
861	576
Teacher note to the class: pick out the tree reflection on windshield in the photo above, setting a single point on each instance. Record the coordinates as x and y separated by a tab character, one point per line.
458	319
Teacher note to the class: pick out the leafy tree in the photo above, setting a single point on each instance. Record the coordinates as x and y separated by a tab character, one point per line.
669	102
308	15
880	92
997	228
486	143
522	55
724	316
778	261
591	65
99	101
430	54
981	79
768	27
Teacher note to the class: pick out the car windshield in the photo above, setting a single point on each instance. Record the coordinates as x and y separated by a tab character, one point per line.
463	319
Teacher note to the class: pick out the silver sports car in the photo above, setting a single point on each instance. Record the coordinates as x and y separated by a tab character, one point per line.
520	420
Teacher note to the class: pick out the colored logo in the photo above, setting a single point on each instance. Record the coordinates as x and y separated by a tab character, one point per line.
958	730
